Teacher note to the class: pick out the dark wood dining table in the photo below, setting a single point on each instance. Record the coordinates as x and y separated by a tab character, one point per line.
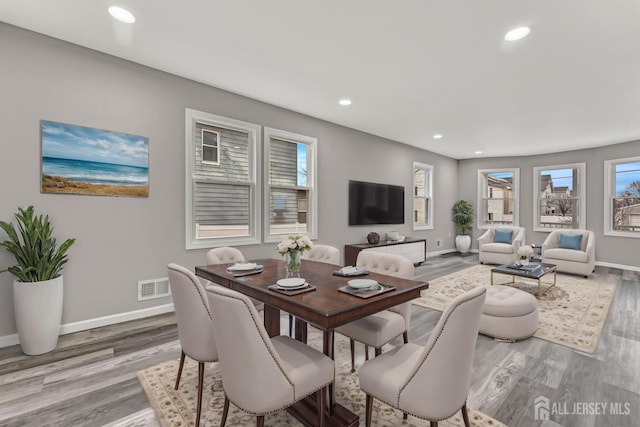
325	307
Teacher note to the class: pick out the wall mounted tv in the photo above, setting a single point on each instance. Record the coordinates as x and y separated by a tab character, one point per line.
371	203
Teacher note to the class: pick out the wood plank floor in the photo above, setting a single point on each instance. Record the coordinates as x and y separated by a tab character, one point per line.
90	379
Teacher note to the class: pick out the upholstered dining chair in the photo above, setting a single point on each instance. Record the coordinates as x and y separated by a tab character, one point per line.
195	324
226	255
378	329
261	375
321	253
430	382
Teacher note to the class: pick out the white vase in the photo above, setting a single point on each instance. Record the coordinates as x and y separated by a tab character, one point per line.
463	243
37	308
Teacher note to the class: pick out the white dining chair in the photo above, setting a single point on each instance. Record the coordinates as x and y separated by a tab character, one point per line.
378	329
227	255
430	382
262	375
195	324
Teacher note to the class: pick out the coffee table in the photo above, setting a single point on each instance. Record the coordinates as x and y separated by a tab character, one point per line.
537	274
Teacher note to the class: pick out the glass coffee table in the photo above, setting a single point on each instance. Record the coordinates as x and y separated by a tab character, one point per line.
537	274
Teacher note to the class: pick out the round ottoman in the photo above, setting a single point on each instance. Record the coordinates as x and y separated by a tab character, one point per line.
509	313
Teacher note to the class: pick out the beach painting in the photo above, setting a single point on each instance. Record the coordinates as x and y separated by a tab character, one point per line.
82	160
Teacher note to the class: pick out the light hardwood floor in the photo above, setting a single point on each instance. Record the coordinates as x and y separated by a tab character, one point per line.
90	379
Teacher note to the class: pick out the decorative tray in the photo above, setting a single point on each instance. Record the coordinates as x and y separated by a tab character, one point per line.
294	291
378	289
351	274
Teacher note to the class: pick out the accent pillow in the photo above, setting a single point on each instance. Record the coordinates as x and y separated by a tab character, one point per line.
570	241
502	236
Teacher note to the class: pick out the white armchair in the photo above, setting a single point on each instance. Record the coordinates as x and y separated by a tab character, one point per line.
572	254
496	248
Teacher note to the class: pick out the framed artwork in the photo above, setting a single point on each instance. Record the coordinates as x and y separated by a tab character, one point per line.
82	160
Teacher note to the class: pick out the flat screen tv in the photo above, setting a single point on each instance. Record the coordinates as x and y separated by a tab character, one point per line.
372	203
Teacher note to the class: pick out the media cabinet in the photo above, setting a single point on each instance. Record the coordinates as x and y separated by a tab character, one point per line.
414	249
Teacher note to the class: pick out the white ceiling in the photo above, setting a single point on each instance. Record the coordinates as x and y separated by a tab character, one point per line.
413	68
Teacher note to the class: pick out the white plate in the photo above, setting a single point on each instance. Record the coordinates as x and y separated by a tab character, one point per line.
243	266
292	282
361	283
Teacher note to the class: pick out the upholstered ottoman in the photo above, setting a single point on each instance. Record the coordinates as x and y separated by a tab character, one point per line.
509	313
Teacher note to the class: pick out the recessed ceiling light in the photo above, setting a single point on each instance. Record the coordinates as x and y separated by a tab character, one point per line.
345	101
478	152
122	15
437	136
517	34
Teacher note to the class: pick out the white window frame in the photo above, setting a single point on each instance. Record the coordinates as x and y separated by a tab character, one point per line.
582	202
610	194
515	187
253	132
312	179
428	169
217	147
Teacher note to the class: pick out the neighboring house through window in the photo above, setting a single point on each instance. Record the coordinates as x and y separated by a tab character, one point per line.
422	196
559	197
498	202
290	193
622	197
222	195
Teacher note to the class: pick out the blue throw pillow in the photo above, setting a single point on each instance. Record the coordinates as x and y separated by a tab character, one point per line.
570	241
502	236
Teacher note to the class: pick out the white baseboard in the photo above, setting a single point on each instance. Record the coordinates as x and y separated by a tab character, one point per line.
68	328
620	266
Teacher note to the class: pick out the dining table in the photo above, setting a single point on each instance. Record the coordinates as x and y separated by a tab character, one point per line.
324	305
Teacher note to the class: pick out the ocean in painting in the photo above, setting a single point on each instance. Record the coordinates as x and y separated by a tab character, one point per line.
95	172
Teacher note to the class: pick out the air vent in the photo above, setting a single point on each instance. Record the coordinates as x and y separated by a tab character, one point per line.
154	288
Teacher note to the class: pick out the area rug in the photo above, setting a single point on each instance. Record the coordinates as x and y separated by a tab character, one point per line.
572	313
178	408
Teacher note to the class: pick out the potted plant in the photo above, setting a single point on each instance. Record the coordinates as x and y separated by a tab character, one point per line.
38	287
463	217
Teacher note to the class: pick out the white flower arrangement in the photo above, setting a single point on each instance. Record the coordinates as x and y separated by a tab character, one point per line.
525	252
294	244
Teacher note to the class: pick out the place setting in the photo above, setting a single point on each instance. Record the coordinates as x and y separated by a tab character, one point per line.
292	286
365	288
244	269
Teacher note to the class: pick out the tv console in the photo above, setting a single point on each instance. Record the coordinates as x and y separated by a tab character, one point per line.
414	249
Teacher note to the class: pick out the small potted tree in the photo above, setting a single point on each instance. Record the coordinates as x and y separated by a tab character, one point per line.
38	287
463	217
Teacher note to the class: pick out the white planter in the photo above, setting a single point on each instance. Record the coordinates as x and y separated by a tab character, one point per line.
38	312
463	243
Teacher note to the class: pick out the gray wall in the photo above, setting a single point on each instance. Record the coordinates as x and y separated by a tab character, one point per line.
611	250
123	240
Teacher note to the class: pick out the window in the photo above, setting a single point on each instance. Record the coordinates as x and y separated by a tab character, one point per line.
210	149
222	195
422	196
498	202
622	197
290	194
559	197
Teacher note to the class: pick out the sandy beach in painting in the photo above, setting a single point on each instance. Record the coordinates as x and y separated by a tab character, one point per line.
56	184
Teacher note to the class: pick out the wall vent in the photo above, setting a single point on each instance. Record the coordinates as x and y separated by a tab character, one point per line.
154	288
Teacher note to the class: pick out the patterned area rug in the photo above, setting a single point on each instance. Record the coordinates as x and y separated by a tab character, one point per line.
572	313
178	408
